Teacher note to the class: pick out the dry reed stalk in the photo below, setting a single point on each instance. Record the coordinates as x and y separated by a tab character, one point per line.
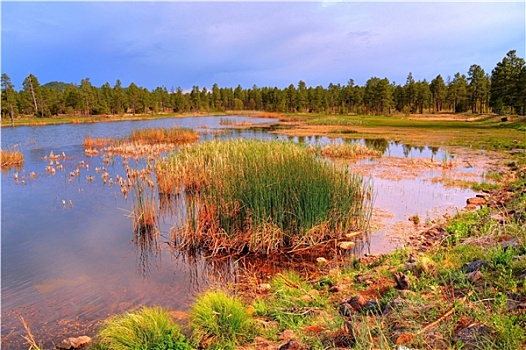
90	143
11	159
30	339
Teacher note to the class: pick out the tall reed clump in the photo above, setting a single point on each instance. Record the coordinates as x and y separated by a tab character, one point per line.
220	321
164	135
146	328
260	196
144	212
11	159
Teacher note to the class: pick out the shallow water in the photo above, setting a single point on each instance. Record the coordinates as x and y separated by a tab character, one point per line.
68	254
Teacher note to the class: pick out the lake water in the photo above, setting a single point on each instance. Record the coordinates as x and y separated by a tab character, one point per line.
68	256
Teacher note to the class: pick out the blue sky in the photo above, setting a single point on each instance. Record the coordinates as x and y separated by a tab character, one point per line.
181	44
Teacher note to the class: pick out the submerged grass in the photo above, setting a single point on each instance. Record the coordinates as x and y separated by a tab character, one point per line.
11	159
260	196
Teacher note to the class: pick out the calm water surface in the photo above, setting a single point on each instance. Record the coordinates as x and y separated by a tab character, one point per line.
68	256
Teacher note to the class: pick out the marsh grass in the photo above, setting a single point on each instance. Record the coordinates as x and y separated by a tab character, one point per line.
348	150
90	143
164	135
220	321
146	328
144	211
260	196
11	159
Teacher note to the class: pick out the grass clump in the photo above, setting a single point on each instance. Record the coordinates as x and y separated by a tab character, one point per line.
348	150
149	328
260	196
11	159
164	135
220	321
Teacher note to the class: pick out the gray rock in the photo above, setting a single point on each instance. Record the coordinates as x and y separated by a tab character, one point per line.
345	310
474	266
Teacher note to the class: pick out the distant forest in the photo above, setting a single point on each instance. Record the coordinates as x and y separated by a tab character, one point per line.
503	91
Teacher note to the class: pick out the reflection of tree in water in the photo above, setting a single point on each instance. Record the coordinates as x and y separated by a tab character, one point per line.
378	144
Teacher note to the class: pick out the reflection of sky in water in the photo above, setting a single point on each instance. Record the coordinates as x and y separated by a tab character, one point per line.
66	262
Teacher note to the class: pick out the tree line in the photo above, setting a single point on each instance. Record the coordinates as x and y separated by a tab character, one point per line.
502	91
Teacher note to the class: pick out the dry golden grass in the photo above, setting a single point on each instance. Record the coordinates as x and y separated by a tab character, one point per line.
164	135
98	142
11	159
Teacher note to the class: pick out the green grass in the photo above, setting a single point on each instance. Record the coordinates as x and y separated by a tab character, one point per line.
143	329
220	321
261	196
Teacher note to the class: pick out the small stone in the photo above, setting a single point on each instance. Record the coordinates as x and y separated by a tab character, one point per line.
473	266
292	345
264	287
334	289
471	334
345	309
510	243
321	261
357	302
74	343
371	306
352	235
402	281
476	201
287	334
346	245
474	276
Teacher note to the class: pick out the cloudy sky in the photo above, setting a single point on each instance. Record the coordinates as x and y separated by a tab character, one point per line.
181	44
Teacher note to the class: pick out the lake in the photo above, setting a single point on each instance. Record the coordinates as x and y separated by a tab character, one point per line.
68	252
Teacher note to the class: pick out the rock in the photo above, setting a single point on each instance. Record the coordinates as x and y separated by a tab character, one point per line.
486	196
334	289
292	344
475	201
357	302
499	217
264	287
473	266
352	235
510	243
321	261
287	334
346	245
471	335
394	305
402	281
345	309
75	343
262	343
372	307
474	276
505	119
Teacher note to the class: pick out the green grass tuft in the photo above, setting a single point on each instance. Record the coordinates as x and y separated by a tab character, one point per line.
143	329
220	321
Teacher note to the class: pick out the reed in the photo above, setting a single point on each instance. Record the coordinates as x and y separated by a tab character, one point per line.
260	196
144	211
164	135
11	159
348	150
90	143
